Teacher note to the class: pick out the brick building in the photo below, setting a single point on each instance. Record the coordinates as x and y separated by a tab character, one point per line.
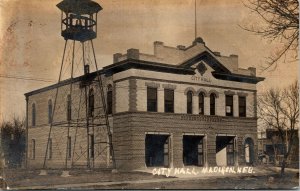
180	106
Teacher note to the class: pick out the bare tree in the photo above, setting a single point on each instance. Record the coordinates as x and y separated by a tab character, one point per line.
279	20
279	109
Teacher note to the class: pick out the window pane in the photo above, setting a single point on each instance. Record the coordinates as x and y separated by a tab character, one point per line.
69	107
200	153
50	149
92	146
189	102
151	93
109	102
229	105
49	111
242	106
91	103
169	101
212	104
201	103
33	149
229	100
152	99
33	115
69	148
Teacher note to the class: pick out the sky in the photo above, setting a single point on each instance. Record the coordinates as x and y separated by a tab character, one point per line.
31	46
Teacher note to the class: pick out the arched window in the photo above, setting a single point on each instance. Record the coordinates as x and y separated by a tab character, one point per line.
189	97
249	150
32	149
49	111
33	115
50	149
109	99
201	103
212	104
91	102
69	108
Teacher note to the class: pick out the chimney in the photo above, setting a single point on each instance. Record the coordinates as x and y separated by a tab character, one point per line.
116	57
133	53
180	47
235	60
217	53
157	44
252	71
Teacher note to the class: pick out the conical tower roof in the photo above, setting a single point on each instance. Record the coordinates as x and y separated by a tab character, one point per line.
79	6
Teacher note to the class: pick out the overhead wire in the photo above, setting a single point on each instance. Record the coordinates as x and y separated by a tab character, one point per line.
26	78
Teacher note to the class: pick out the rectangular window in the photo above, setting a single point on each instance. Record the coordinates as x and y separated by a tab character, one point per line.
32	149
152	99
69	108
92	146
229	105
169	101
242	106
50	149
69	148
91	103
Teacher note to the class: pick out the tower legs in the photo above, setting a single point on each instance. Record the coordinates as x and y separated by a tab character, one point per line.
73	129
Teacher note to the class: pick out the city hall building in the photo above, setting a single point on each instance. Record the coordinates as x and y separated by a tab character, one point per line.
180	106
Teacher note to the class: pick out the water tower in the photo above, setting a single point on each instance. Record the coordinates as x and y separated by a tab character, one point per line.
85	125
79	19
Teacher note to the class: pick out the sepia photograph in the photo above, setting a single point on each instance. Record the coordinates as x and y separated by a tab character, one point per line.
149	94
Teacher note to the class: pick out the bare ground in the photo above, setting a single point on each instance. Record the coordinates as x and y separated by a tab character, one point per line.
267	179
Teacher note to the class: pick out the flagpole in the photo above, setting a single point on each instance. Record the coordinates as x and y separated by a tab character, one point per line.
195	19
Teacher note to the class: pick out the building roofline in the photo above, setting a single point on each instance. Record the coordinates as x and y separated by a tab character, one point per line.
237	77
146	65
215	64
130	63
62	83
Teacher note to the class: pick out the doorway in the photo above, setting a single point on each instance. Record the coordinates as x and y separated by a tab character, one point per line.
193	150
249	151
225	148
157	150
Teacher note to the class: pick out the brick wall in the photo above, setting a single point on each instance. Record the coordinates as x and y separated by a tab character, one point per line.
77	129
122	96
130	130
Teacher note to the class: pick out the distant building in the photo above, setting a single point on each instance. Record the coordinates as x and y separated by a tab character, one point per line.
181	106
270	146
